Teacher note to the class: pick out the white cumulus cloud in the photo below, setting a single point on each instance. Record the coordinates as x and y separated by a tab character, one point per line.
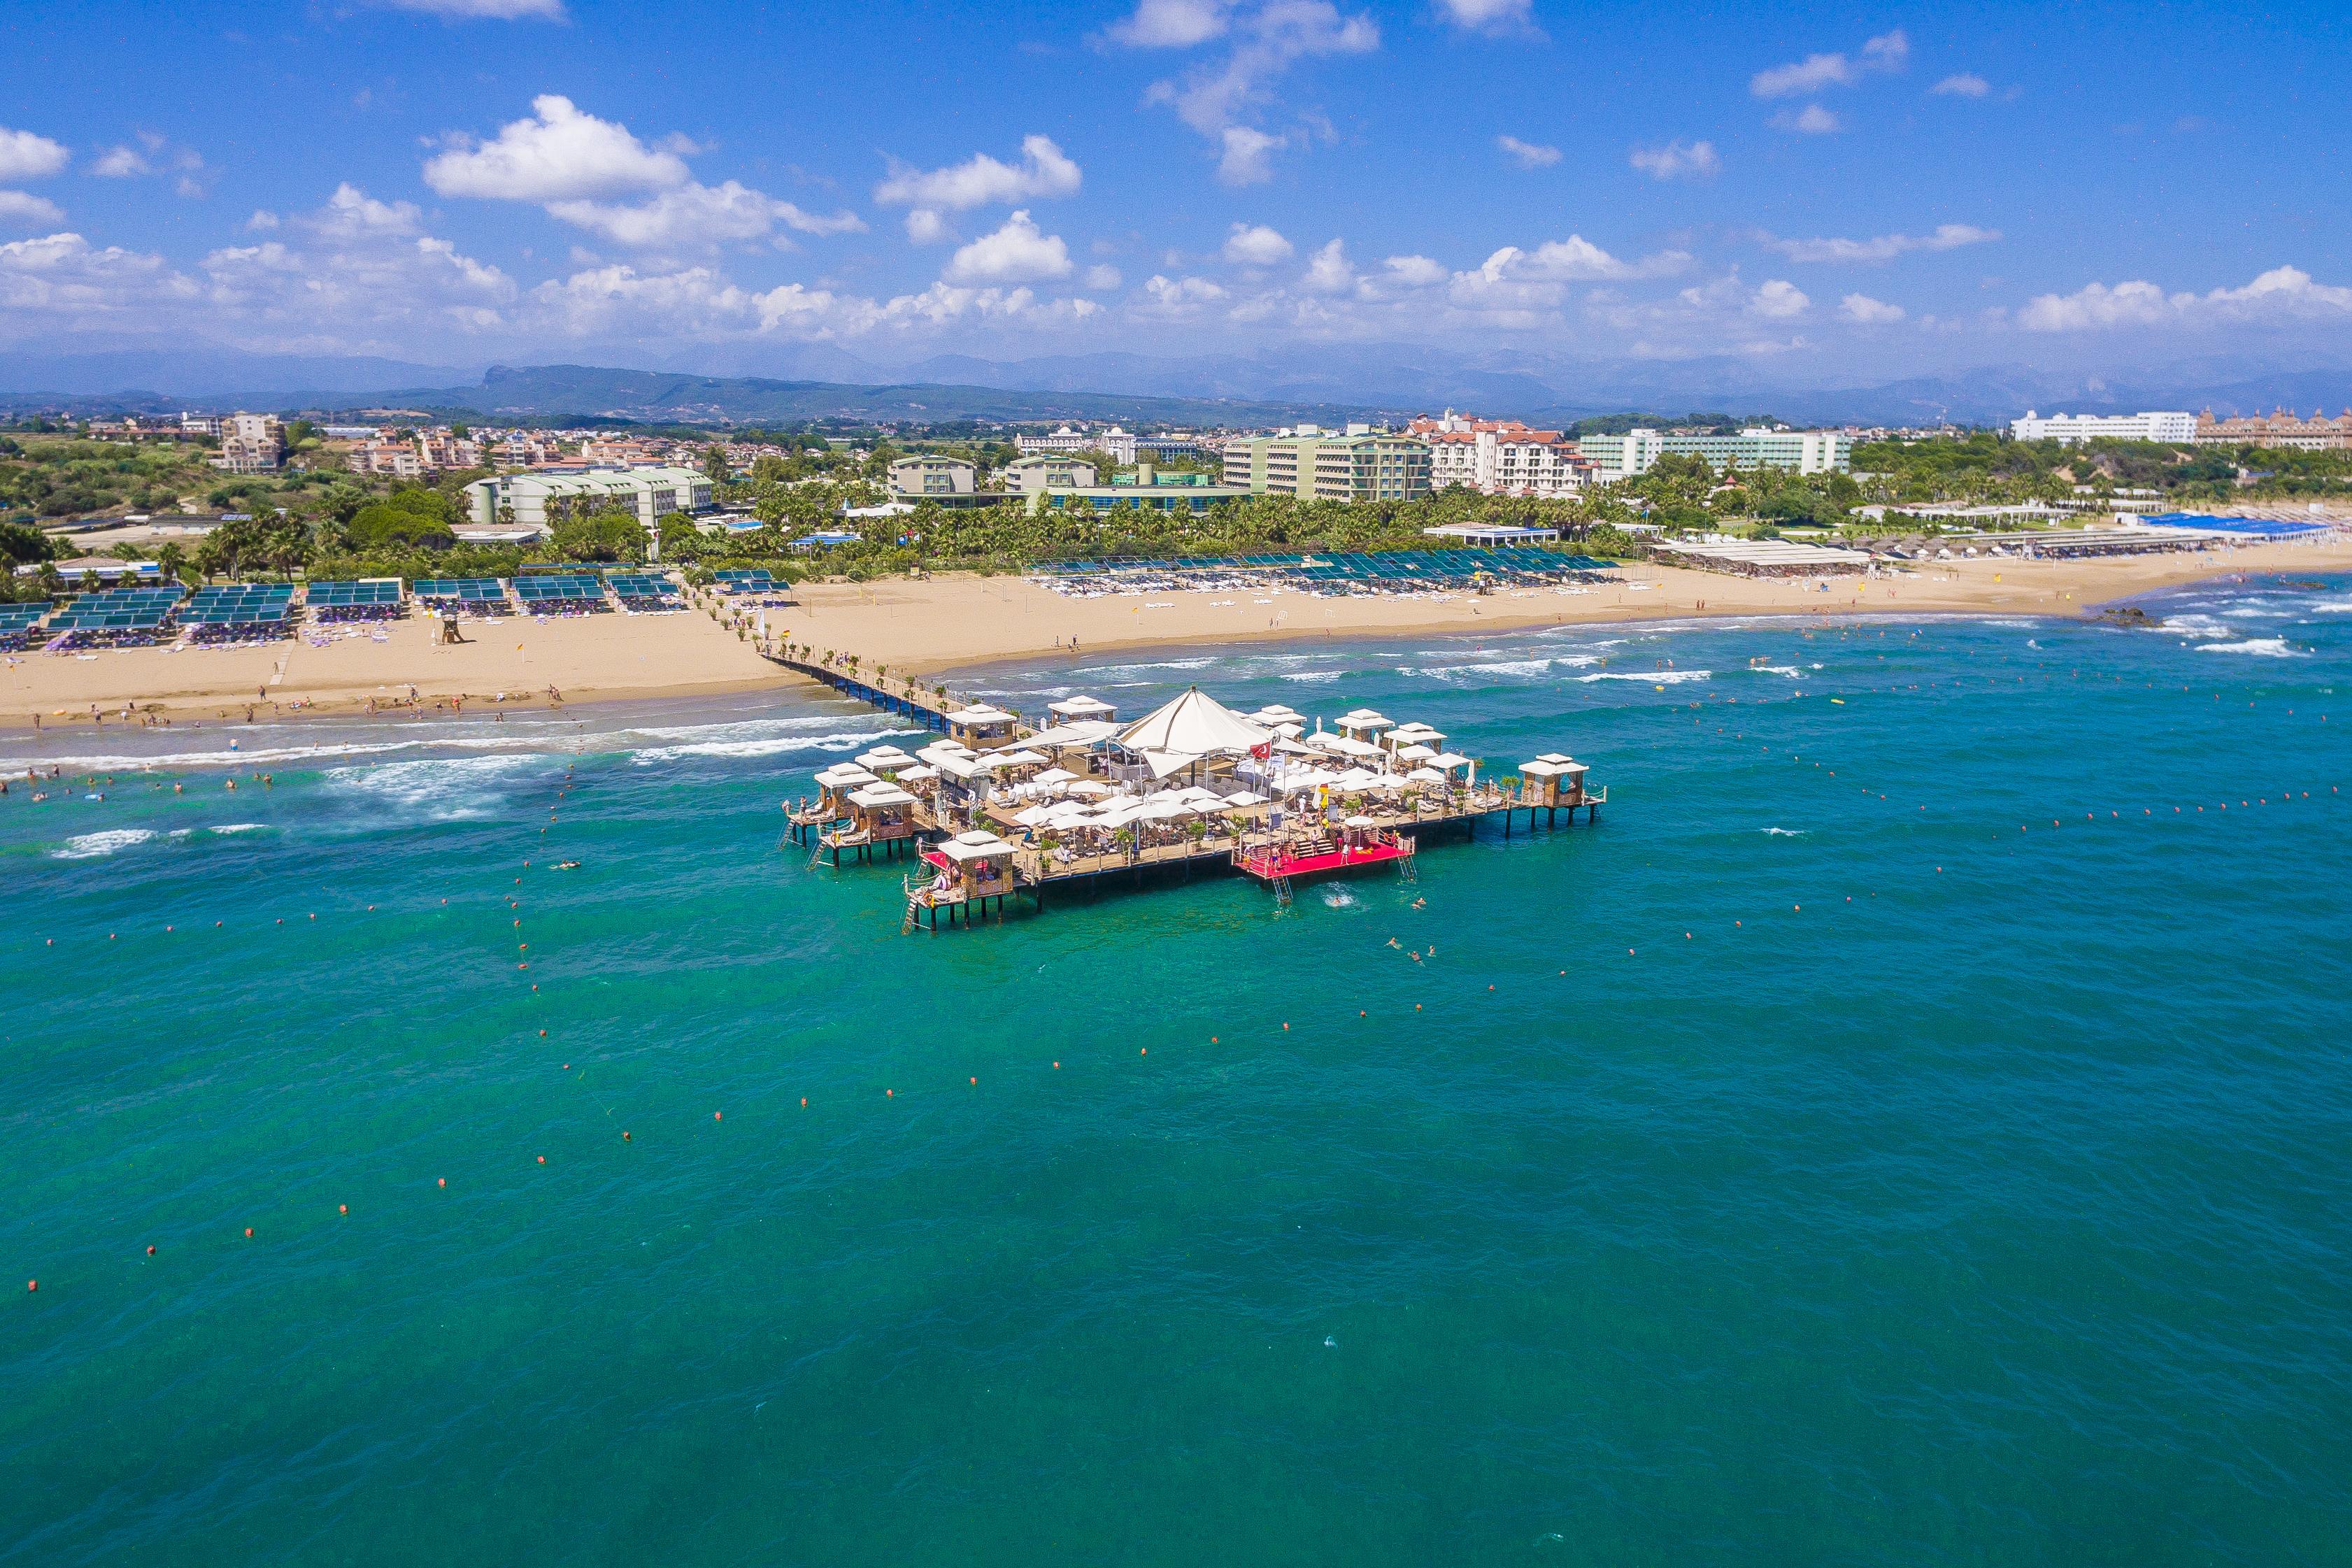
1528	154
2281	294
561	153
1171	24
1223	99
1869	312
981	181
1017	253
697	216
26	155
1887	52
1885	247
1810	120
1677	161
22	209
1778	300
1328	271
1255	245
1963	84
1493	17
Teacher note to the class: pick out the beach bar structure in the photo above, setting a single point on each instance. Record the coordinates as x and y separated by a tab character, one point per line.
1191	788
881	815
973	867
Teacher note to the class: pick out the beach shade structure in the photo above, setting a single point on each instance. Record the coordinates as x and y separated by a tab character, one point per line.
885	760
1415	753
1426	776
1020	757
1079	735
1164	764
745	580
1361	723
17	621
921	772
142	614
981	725
364	599
1554	780
1447	761
642	590
469	595
1055	776
1275	715
1361	820
1082	709
1197	724
560	592
239	611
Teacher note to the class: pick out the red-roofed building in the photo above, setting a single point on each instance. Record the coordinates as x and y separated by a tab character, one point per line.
1500	457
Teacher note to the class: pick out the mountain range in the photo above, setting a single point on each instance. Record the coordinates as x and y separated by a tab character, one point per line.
1374	380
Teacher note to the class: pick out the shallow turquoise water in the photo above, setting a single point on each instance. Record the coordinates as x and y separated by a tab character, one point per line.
1998	1214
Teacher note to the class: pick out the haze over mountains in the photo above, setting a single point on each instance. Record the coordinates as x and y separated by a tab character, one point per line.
1379	379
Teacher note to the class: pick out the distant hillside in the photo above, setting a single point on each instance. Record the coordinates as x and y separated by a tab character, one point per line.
565	391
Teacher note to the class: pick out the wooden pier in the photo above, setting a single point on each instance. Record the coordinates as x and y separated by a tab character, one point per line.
925	708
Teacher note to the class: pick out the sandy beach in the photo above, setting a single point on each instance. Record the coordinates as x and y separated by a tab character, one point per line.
956	620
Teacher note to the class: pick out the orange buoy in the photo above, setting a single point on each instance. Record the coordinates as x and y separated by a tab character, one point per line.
805	1102
1286	1026
150	1250
248	1230
542	1034
1058	1066
717	1115
342	1208
542	1159
1145	1050
975	1081
444	1181
889	1094
625	1138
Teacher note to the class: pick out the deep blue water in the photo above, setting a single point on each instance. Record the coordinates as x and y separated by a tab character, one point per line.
1910	1127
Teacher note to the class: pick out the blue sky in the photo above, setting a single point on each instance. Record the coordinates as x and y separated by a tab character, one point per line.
1842	190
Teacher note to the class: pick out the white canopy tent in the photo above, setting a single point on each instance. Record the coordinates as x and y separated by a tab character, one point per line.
1195	723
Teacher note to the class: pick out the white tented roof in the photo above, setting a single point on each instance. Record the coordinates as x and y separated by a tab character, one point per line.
844	773
881	795
976	835
1162	763
1449	760
1076	734
918	775
1081	708
1540	768
956	850
1415	753
982	714
1022	758
883	757
1364	718
1196	723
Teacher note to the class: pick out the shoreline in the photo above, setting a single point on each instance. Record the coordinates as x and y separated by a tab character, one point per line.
961	621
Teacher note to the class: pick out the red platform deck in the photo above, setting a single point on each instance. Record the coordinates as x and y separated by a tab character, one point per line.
1267	867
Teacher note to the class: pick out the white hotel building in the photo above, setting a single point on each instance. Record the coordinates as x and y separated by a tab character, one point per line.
2080	427
1500	457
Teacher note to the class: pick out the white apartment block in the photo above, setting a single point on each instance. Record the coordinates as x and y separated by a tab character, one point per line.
2079	427
1066	441
1500	457
250	444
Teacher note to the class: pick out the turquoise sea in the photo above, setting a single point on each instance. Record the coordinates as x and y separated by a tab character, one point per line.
1912	1126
